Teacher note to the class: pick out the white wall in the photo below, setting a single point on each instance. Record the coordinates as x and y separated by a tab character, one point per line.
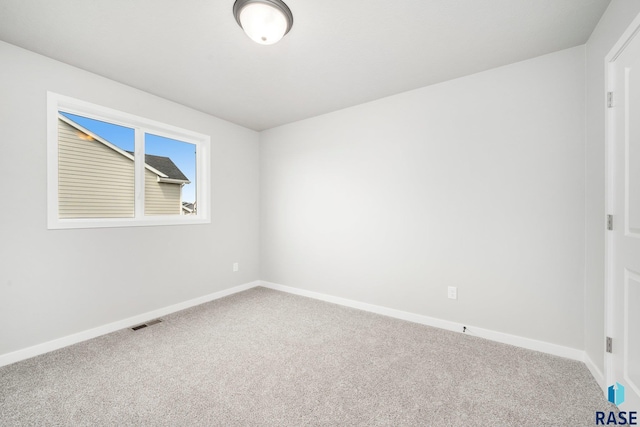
476	183
57	282
618	16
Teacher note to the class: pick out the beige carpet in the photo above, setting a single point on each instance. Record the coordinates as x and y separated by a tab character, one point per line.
266	358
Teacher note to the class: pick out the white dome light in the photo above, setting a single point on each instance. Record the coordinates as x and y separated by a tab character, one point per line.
264	21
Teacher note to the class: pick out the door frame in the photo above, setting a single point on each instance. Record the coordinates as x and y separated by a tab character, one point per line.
632	31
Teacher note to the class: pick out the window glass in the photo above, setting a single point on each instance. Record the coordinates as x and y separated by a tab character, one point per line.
170	176
95	170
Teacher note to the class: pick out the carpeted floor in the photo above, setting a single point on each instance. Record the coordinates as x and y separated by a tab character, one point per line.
266	358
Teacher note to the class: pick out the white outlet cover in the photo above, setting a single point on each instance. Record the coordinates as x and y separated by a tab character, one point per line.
452	292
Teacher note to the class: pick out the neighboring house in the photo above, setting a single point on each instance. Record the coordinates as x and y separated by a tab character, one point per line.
96	178
188	208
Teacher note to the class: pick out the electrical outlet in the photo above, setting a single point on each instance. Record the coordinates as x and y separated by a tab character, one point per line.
236	267
452	292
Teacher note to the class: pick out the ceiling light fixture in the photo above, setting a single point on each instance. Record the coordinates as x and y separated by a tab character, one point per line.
264	21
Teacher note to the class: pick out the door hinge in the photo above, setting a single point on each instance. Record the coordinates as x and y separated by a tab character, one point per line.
609	99
609	222
609	345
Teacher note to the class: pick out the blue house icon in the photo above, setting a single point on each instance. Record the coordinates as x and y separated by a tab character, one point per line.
616	394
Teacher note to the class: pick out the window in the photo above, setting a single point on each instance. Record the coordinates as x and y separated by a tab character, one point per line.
112	169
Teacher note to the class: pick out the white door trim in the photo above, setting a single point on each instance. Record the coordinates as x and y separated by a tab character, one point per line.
614	53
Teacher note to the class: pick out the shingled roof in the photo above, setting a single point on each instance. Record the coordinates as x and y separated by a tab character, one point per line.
166	166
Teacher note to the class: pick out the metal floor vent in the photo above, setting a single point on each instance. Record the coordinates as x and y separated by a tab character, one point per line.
144	325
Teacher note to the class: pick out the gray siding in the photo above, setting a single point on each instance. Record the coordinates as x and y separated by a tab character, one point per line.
94	181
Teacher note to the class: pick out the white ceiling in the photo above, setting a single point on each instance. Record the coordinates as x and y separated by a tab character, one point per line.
339	53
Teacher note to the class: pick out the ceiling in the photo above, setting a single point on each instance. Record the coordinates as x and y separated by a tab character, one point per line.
339	53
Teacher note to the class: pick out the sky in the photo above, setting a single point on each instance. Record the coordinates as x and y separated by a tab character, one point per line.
183	154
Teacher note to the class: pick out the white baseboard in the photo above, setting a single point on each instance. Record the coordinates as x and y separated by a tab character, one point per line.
515	340
597	374
26	353
528	343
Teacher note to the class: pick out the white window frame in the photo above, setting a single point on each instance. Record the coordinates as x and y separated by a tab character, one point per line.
60	103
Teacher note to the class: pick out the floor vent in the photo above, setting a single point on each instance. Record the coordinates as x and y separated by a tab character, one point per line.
144	325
